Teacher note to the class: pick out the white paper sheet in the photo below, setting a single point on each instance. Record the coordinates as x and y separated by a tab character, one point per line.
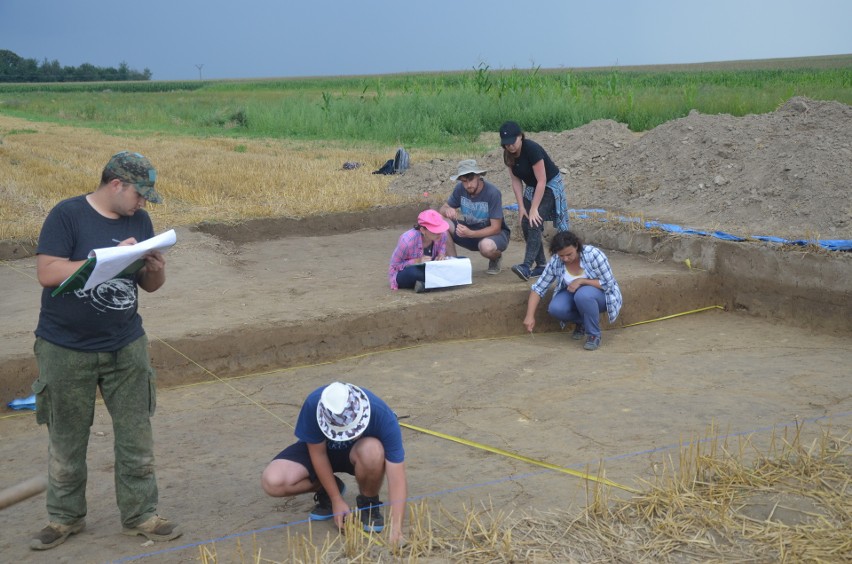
112	260
448	272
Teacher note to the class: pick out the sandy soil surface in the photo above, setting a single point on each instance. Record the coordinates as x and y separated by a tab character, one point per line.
264	308
628	405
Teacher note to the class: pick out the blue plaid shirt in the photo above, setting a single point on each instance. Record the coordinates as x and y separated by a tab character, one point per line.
596	265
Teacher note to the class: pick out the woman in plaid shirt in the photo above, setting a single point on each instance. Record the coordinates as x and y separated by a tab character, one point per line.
585	287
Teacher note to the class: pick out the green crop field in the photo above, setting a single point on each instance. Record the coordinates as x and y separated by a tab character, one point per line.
438	110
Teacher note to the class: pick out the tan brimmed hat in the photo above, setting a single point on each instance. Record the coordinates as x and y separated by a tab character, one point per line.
468	166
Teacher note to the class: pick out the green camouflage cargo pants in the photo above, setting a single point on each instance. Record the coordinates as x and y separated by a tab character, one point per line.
65	402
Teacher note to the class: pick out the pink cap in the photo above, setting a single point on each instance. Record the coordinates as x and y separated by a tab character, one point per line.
432	220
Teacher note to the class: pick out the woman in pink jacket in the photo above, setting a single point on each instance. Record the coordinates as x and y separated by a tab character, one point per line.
427	240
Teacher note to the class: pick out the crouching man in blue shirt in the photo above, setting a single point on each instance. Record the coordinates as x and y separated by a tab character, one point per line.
344	428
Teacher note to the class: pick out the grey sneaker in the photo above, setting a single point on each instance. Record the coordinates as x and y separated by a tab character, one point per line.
371	513
55	534
592	343
419	287
494	266
579	332
323	511
156	529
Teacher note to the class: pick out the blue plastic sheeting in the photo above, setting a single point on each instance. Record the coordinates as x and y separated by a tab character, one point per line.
836	244
23	403
830	244
769	239
726	236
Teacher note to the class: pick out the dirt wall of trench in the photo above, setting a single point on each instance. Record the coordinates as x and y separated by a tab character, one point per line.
804	288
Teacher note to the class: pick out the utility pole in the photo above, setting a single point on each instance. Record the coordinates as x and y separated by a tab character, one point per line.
199	67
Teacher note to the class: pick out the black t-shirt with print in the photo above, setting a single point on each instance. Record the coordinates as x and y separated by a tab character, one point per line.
105	318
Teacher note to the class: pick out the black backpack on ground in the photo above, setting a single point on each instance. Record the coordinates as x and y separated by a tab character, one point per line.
397	165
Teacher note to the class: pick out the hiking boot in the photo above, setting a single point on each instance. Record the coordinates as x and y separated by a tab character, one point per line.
522	270
419	287
579	332
494	266
536	272
155	529
371	513
55	534
323	510
592	343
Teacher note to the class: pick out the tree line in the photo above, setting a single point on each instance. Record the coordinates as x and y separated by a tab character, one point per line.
14	68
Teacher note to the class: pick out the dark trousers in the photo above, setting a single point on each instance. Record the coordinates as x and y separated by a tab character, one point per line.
534	235
412	273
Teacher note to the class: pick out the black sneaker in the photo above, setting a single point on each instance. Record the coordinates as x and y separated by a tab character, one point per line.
522	270
323	511
579	332
371	513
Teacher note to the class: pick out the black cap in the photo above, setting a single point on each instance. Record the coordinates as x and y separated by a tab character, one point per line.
509	132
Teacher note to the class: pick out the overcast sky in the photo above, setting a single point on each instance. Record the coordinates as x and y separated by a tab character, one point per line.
277	38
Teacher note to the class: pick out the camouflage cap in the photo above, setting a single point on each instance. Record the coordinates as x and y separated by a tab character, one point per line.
135	169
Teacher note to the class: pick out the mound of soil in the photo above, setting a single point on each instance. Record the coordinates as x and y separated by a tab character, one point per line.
784	174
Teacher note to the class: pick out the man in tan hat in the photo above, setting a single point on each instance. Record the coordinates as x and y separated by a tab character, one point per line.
476	209
93	339
347	429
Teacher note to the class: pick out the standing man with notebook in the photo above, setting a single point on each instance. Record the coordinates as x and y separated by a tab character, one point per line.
89	340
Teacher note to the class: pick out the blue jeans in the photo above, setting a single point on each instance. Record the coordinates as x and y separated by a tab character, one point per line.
582	307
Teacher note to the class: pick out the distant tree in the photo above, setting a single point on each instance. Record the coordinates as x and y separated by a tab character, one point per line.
87	73
14	68
51	71
9	64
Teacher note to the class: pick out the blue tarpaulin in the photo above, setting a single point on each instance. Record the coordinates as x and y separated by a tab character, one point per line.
23	403
830	244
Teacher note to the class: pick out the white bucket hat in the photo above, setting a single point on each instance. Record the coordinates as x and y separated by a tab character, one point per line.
468	166
343	411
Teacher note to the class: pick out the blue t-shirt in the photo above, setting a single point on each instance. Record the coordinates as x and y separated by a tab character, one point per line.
105	318
479	210
531	153
383	425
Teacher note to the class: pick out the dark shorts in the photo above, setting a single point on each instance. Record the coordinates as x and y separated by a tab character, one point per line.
472	243
298	452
